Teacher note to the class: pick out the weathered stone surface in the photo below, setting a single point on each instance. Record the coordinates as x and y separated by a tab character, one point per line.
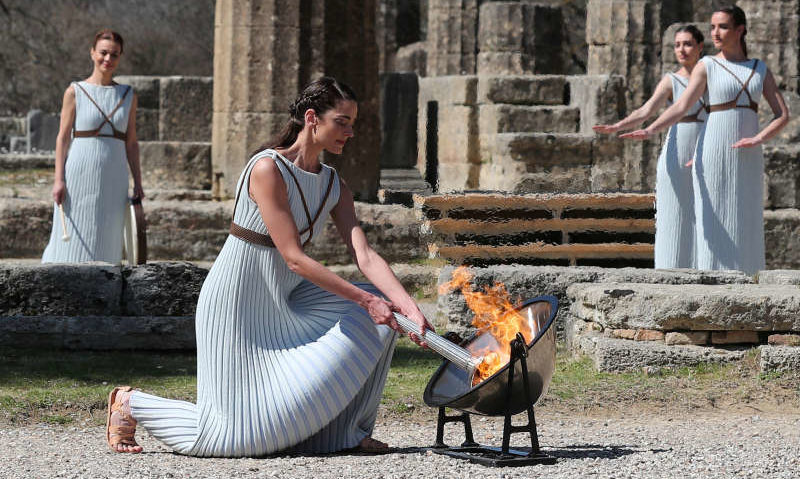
399	98
749	307
782	238
545	149
783	339
525	282
608	164
146	124
686	337
185	109
412	58
618	355
452	37
179	230
648	335
779	276
42	130
453	90
622	333
601	99
734	337
523	90
59	290
782	176
24	227
503	118
779	358
147	89
11	126
175	165
162	289
98	332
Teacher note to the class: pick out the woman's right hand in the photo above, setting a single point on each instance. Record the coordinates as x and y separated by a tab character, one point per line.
59	191
605	129
381	312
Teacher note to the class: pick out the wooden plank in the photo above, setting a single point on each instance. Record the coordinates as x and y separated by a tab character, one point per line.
546	251
616	225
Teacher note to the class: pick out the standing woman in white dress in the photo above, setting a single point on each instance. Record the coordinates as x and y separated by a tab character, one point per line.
96	145
289	355
729	168
675	224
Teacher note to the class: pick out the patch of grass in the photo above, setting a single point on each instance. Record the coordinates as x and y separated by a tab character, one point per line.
411	369
26	176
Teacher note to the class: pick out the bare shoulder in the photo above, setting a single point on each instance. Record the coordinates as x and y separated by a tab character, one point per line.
265	171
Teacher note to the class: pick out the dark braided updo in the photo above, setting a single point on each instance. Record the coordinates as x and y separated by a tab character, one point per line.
320	95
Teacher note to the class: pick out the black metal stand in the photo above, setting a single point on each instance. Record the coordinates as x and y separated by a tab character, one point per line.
494	456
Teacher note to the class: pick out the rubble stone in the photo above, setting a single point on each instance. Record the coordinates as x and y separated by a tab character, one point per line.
686	337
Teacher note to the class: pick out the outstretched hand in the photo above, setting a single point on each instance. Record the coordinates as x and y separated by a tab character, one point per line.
636	135
746	143
605	129
416	315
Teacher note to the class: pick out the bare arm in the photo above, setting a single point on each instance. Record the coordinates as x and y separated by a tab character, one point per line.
268	190
660	96
63	141
132	150
779	109
670	116
370	262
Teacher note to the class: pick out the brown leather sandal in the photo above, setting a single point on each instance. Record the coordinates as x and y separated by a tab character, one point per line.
370	445
120	434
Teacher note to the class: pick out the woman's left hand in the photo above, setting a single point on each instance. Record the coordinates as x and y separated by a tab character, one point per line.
746	143
138	192
416	315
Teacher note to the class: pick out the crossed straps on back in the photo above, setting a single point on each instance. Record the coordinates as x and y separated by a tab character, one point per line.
264	240
692	118
732	104
106	119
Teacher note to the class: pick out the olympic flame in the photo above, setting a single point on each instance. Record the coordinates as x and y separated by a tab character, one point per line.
495	314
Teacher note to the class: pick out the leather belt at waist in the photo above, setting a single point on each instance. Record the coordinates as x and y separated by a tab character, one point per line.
251	236
732	104
691	119
91	133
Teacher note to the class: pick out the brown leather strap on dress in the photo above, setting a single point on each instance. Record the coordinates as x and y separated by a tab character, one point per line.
734	103
692	118
263	239
120	135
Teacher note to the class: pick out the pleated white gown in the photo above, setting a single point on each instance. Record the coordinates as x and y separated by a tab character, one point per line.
675	224
96	174
281	363
728	182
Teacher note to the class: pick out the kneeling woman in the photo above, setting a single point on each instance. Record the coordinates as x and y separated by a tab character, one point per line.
289	355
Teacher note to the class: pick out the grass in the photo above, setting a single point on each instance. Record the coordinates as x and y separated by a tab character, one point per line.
61	387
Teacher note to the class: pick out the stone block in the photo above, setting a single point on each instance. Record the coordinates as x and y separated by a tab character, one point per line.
622	333
601	99
779	358
147	89
648	335
25	227
42	130
399	101
782	176
9	127
504	63
162	289
503	118
178	230
412	58
619	355
146	124
699	338
734	337
176	165
538	150
750	307
523	90
185	109
790	134
449	90
782	238
779	276
783	339
59	289
608	164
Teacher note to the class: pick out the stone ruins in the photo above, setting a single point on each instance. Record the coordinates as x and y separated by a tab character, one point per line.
474	143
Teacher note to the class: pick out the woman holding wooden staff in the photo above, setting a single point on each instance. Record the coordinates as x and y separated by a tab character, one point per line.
95	146
289	355
729	166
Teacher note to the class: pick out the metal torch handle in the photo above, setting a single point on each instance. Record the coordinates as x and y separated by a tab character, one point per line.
450	351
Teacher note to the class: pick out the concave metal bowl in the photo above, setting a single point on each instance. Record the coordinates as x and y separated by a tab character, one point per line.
452	387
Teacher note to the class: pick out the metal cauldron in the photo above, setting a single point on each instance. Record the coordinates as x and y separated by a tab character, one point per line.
452	387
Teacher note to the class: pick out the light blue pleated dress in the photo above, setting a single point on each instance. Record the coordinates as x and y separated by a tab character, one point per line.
96	174
281	363
675	224
728	182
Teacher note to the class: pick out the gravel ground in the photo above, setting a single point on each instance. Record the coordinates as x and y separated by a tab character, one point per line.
634	445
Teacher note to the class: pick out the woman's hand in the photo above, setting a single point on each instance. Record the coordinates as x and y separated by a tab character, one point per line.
138	192
605	128
416	315
637	135
59	191
747	143
381	311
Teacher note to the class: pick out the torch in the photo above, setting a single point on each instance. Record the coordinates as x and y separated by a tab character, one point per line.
64	236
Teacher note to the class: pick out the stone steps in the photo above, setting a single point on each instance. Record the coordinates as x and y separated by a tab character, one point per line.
505	118
98	306
524	90
399	185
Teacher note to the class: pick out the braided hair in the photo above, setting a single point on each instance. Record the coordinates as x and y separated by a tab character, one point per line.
739	18
320	95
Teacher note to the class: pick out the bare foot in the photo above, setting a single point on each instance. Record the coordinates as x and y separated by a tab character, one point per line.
121	425
371	445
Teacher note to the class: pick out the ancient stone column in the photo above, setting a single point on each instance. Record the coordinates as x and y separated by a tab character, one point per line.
452	37
256	73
